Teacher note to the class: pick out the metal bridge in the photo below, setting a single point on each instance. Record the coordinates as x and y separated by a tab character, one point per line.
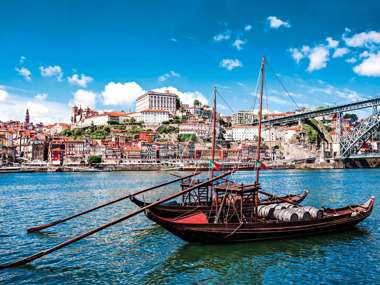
351	142
323	112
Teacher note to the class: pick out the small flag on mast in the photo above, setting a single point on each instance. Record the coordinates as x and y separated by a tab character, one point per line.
260	165
214	165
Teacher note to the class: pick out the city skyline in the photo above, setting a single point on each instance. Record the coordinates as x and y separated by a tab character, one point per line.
57	54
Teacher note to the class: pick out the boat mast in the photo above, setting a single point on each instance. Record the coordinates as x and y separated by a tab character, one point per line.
213	142
260	121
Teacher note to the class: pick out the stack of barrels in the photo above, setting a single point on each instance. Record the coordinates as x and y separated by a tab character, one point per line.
286	212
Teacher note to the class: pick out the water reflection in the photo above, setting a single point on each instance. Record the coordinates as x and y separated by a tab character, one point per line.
189	259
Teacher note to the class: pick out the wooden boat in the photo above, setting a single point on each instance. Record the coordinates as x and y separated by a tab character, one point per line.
198	227
174	209
237	215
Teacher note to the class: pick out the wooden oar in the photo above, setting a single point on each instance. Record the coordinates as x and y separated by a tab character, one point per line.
44	226
123	218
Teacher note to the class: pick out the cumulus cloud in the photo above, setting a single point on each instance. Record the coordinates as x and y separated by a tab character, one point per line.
276	23
79	80
25	73
230	64
166	76
332	43
52	71
84	98
318	58
339	52
222	36
41	96
370	66
363	39
187	97
247	28
238	44
121	93
3	95
297	54
46	112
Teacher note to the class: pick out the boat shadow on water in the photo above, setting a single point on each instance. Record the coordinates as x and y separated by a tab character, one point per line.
191	259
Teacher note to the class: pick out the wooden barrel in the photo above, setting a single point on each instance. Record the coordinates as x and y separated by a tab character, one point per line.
286	215
265	211
314	212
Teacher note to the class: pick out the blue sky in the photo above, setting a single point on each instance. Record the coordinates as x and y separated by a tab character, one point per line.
105	53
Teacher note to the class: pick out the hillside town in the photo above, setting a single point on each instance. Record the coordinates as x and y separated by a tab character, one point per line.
163	133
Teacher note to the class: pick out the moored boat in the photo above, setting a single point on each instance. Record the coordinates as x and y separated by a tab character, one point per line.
198	227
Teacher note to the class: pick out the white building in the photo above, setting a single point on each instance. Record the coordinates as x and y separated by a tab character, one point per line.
242	133
154	117
243	118
156	101
107	118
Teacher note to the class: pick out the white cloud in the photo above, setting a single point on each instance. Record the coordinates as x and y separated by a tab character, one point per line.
339	52
297	55
79	80
121	93
351	60
370	66
230	64
276	23
331	42
185	97
343	93
52	71
3	95
239	44
247	28
47	111
166	76
84	98
364	54
363	39
22	59
318	58
223	36
24	72
41	96
173	40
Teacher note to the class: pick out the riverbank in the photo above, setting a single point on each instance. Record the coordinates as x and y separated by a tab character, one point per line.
337	164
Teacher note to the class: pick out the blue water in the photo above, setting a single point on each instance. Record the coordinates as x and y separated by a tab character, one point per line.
139	252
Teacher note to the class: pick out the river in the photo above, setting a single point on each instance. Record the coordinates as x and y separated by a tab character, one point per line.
140	252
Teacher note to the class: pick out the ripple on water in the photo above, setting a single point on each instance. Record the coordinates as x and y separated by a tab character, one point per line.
139	252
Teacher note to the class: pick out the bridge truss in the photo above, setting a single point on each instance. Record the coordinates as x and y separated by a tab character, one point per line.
351	142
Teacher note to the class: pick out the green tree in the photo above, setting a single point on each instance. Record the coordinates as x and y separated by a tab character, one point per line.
197	102
351	117
187	137
94	159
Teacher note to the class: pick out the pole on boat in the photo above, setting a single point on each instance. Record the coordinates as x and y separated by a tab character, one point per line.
114	222
44	226
257	164
260	122
213	142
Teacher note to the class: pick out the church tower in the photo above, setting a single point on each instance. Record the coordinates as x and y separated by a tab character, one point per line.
27	118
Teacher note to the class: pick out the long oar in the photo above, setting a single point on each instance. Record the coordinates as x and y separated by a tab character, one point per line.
123	218
44	226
